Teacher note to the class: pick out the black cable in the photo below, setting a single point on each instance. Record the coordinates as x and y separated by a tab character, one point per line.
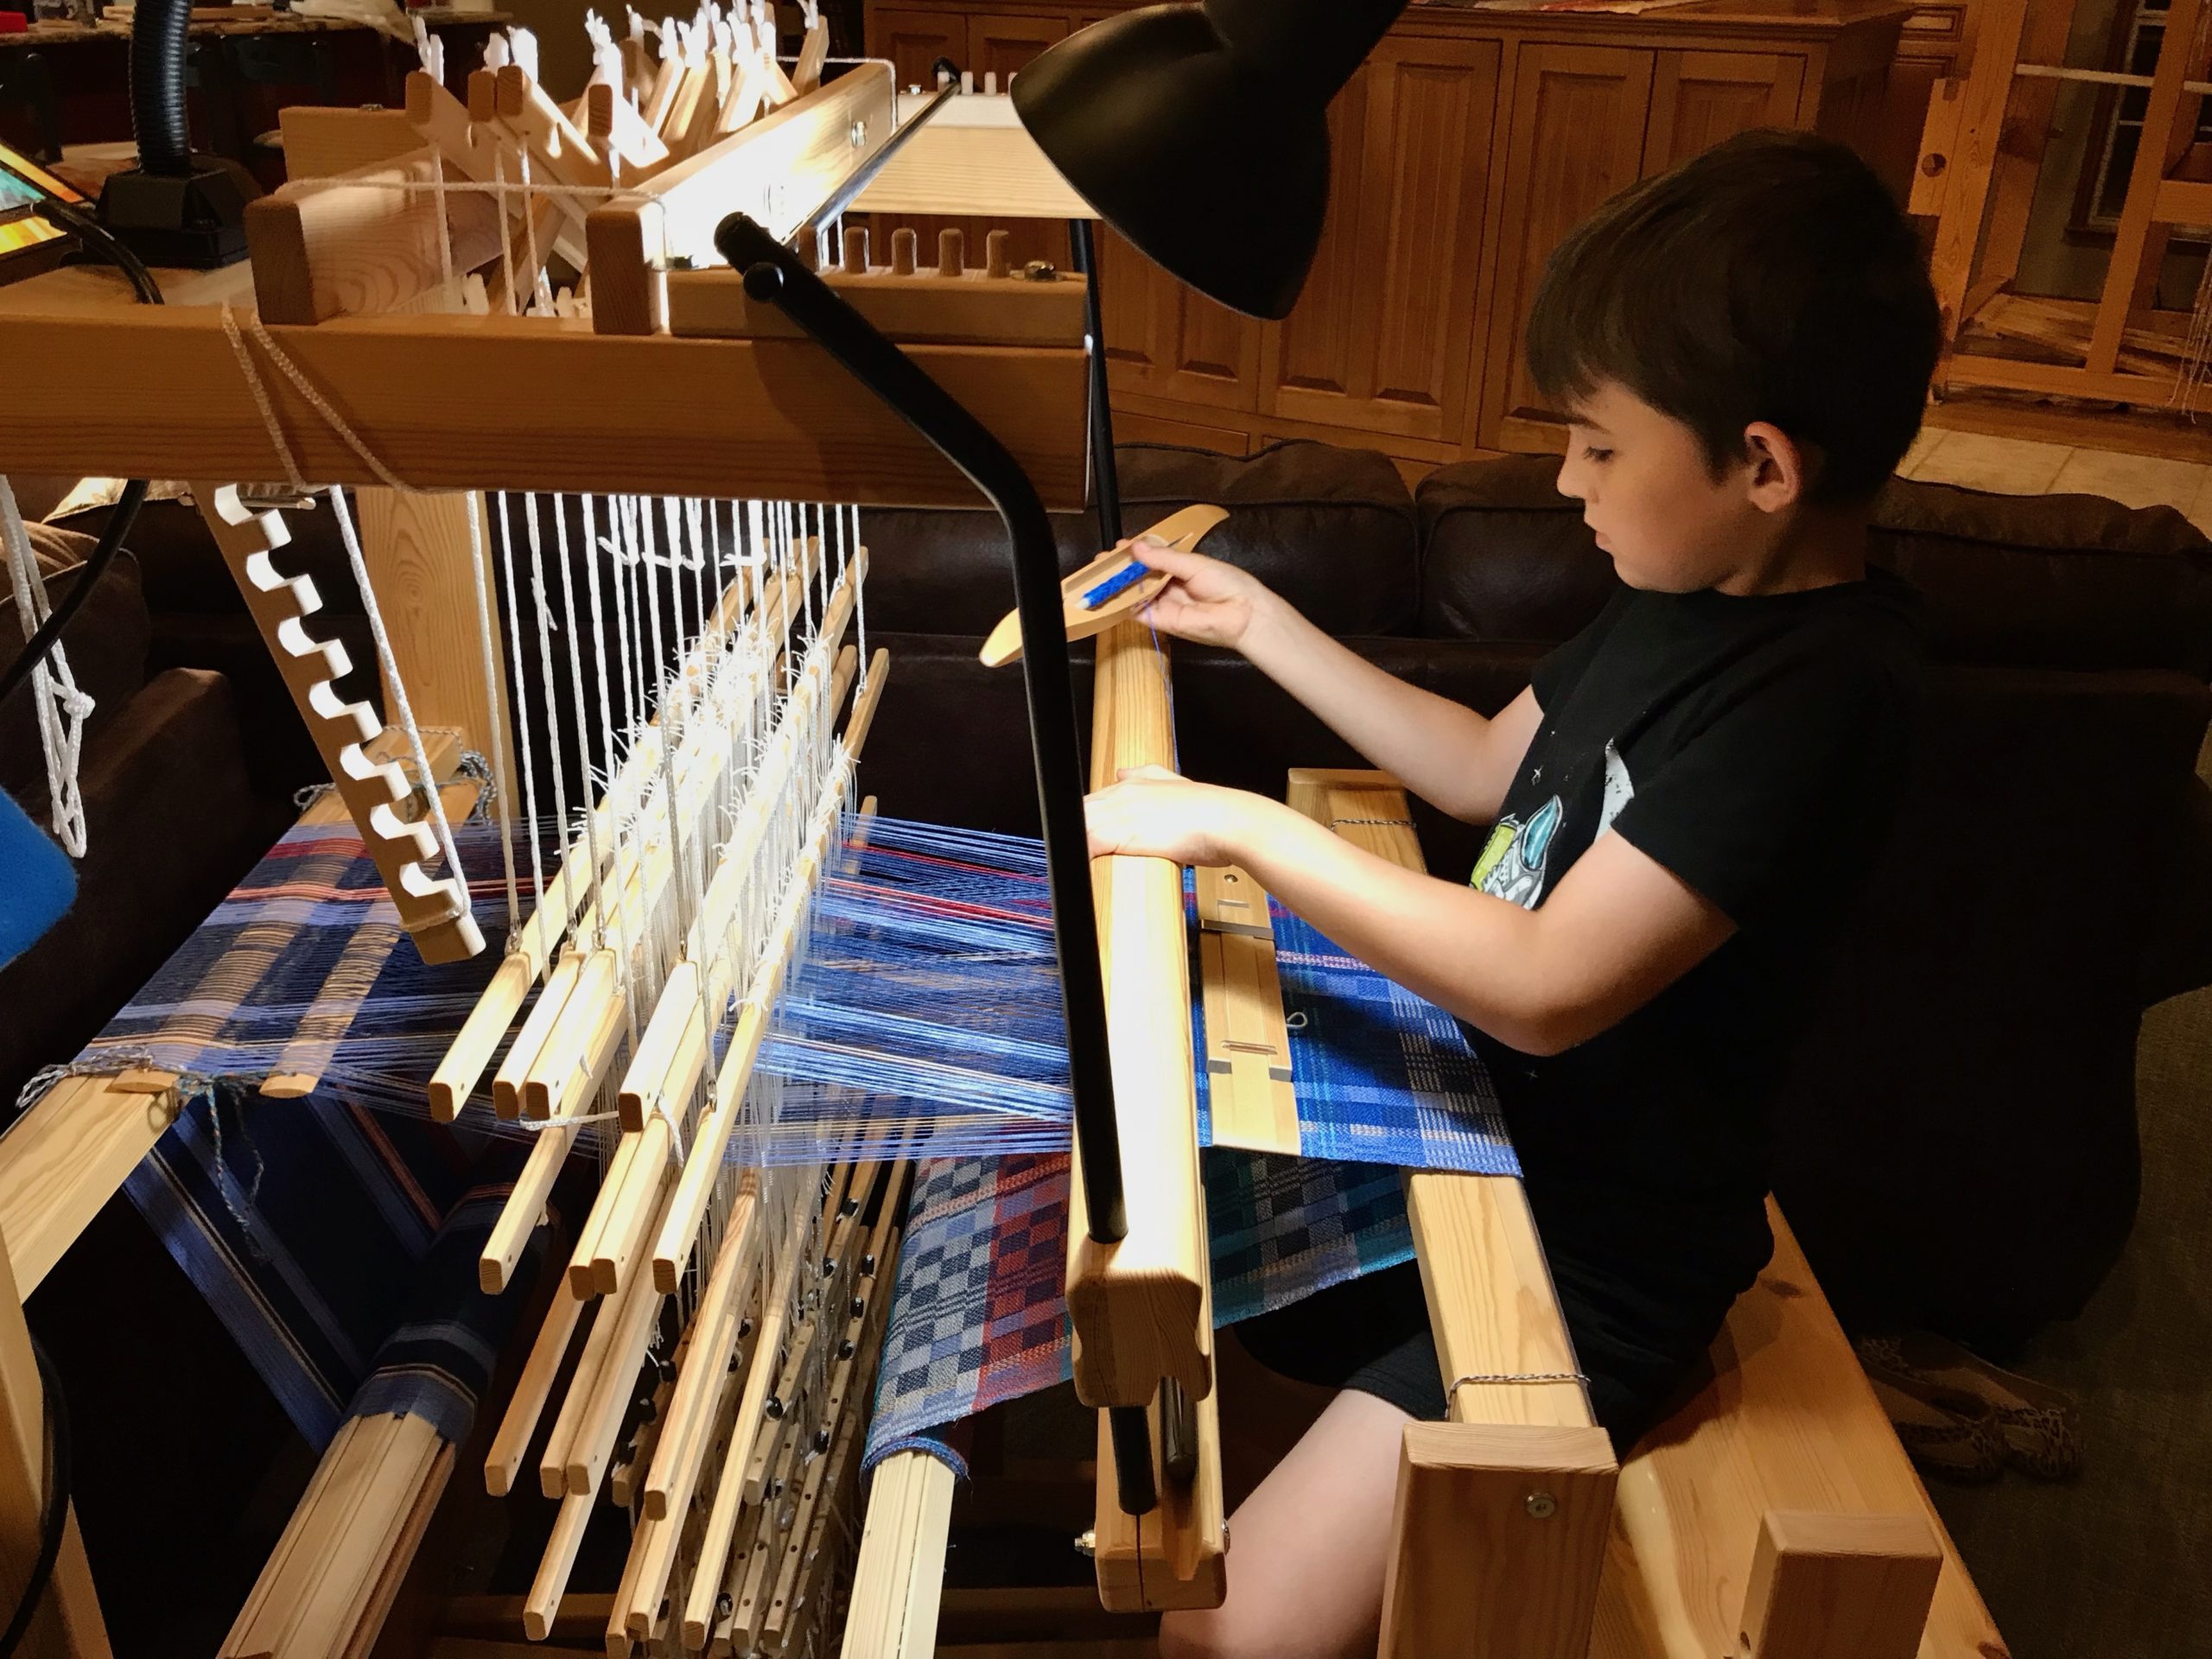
40	645
56	1517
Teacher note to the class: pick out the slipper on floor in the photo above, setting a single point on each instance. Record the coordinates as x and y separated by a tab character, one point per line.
1944	1431
2042	1424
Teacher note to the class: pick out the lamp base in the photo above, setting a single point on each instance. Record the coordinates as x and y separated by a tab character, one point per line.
194	220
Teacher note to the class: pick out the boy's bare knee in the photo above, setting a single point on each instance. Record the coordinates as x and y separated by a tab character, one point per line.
1213	1633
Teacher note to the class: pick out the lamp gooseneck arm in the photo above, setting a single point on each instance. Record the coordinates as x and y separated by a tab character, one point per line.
773	275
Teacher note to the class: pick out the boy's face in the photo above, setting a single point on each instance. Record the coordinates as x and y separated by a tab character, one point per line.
1648	491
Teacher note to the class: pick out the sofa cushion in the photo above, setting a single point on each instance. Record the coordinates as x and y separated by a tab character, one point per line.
1332	530
105	644
2032	581
171	825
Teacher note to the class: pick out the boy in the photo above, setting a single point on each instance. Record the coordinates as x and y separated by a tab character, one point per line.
1684	800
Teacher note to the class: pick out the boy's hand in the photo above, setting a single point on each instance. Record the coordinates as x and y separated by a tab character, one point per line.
1209	603
1154	813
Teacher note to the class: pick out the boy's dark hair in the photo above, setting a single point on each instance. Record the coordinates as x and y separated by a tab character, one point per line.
1772	278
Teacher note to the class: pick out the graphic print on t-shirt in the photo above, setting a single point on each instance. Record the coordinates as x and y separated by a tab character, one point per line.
1515	860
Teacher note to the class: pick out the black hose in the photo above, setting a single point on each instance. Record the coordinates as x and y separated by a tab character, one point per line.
158	31
56	1518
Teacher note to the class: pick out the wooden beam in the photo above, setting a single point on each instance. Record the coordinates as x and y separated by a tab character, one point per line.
1498	1538
1137	1307
972	309
973	156
2134	250
778	169
900	1574
1839	1587
321	142
63	1159
1790	1423
364	242
157	391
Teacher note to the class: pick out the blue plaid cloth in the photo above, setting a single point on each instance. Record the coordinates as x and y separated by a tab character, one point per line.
1380	1074
336	1243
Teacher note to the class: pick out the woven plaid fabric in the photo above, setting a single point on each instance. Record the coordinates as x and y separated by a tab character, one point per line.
308	1223
1381	1076
980	1314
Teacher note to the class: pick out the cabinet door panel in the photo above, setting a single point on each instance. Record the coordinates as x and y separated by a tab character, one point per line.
915	39
1313	355
1575	138
1700	98
1381	337
1429	146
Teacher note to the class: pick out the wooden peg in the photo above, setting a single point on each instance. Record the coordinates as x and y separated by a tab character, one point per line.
967	82
483	94
996	263
598	113
856	251
905	248
951	257
991	83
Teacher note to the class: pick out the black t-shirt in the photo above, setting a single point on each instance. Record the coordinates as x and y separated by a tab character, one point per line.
1754	747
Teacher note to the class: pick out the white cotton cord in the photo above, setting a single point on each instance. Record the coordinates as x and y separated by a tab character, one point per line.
521	705
551	685
487	655
316	401
398	689
61	707
506	242
578	713
860	606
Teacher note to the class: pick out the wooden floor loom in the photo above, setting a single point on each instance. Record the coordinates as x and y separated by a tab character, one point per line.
1778	1506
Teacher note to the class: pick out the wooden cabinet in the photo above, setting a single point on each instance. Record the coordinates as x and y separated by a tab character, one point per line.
1577	137
1380	339
1465	147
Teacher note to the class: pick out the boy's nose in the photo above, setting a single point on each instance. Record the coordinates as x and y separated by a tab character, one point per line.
1570	480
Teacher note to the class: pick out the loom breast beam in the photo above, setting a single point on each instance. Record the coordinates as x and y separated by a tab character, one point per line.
1112	586
1494	1315
434	910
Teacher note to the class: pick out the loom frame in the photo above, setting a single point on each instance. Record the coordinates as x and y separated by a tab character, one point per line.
68	1154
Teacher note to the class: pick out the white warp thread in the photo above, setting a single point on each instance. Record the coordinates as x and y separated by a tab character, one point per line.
61	707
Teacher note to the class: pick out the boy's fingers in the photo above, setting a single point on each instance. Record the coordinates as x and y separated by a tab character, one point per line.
1175	561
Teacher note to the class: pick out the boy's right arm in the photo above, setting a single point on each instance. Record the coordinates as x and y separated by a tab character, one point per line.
1445	752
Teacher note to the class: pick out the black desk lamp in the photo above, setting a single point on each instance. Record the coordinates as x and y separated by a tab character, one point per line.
175	208
1200	133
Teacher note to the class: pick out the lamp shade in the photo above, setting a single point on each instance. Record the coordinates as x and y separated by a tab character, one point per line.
1200	133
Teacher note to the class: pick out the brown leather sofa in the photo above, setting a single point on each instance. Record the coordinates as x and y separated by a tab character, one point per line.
172	820
1957	1149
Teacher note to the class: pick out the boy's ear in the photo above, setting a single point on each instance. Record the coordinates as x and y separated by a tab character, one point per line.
1780	471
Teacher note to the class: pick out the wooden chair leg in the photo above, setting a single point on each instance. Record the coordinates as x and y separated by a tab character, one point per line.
1839	1586
1500	1535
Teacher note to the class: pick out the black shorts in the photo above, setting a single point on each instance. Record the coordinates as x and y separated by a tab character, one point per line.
1371	1334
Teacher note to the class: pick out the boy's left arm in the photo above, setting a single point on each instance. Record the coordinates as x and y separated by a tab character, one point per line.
1619	928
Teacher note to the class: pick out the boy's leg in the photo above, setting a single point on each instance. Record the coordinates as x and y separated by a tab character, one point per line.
1308	1548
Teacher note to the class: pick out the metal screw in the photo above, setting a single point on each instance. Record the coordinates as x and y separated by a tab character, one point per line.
1041	270
859	134
1542	1505
1086	1542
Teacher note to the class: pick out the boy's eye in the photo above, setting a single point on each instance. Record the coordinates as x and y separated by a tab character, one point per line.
1590	453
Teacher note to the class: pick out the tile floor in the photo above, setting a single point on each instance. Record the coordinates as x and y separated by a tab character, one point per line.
2021	466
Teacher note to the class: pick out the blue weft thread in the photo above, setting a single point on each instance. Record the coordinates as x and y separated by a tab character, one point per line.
1120	583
